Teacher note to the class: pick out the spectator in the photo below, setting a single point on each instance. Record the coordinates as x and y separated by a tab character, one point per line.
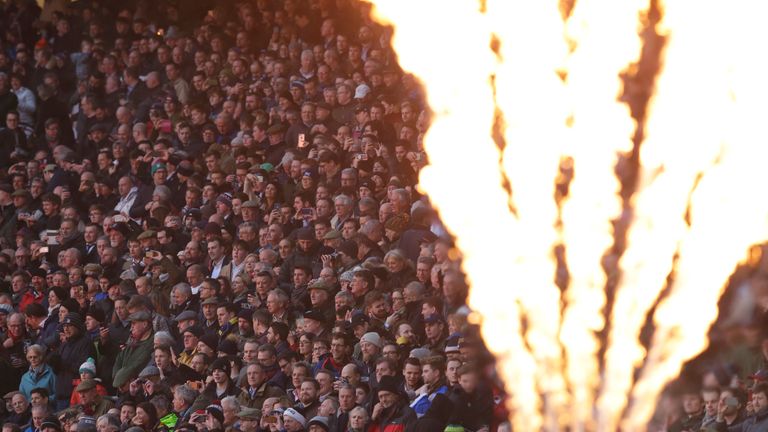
693	408
132	359
472	400
759	419
39	375
392	412
433	373
358	420
257	389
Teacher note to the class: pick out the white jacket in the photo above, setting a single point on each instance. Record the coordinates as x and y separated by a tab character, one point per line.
27	105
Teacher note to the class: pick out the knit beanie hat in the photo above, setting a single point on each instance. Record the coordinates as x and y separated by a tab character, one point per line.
295	415
89	366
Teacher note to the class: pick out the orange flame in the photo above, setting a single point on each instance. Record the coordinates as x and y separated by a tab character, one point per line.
684	135
533	132
475	112
709	103
726	214
607	43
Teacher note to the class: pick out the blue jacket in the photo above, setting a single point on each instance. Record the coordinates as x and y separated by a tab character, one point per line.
422	403
44	378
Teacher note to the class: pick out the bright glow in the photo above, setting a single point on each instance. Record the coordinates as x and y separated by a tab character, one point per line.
534	133
461	98
727	215
703	147
684	136
605	34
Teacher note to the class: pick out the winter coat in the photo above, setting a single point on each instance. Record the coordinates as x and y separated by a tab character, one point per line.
27	106
265	391
474	410
422	403
71	355
49	334
134	357
396	420
43	378
687	422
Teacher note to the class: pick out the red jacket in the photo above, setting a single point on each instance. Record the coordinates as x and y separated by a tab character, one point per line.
396	421
28	298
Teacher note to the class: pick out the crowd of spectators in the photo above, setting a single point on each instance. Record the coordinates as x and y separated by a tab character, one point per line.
209	221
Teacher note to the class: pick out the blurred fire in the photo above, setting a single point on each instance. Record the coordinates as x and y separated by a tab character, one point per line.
548	81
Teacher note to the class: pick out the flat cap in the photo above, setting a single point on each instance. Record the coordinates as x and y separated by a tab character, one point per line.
146	235
320	284
140	316
149	371
332	235
249	413
186	315
86	385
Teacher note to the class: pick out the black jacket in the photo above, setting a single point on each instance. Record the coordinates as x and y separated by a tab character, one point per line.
71	355
472	410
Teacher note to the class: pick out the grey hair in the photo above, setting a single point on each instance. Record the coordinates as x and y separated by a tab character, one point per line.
415	288
165	338
270	254
231	401
359	409
403	194
343	199
37	349
280	294
187	394
344	295
182	287
308	53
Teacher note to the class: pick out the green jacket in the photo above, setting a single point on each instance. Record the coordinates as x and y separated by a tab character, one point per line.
169	420
134	357
256	400
100	408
